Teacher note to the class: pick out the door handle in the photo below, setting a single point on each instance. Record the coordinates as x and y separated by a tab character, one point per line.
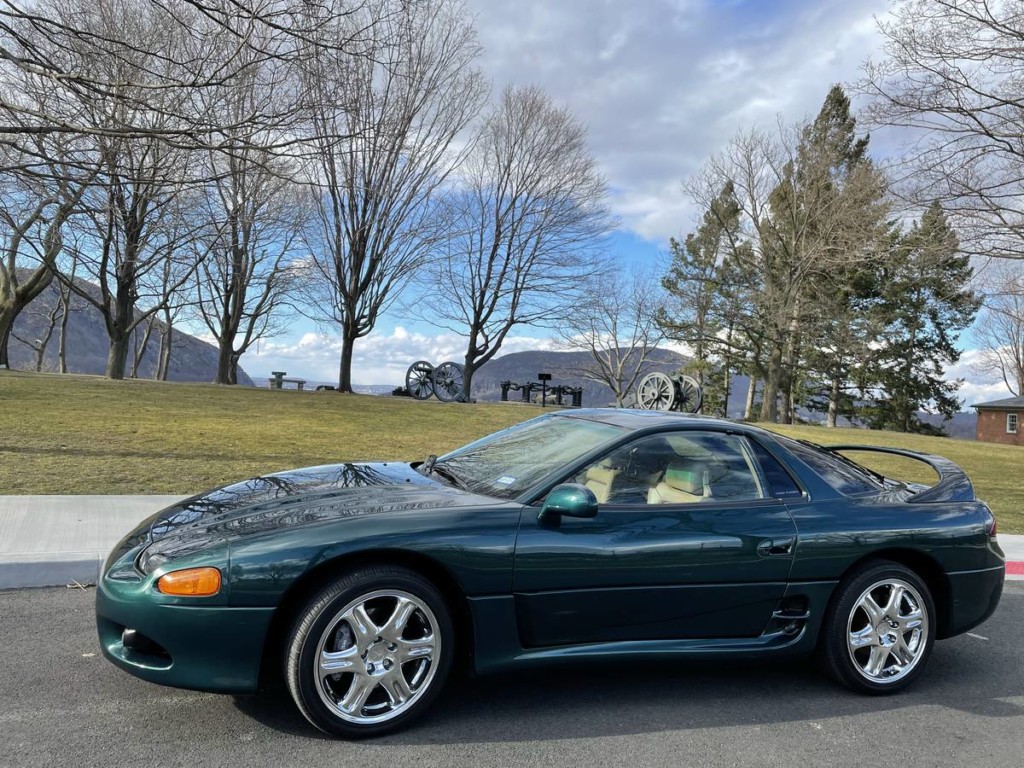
776	547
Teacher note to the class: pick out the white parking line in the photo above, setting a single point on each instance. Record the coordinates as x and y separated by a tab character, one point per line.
971	634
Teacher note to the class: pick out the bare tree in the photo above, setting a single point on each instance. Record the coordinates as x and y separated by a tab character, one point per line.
404	104
615	324
58	42
1000	329
132	233
254	216
246	278
67	306
33	213
528	217
132	218
952	80
38	345
173	291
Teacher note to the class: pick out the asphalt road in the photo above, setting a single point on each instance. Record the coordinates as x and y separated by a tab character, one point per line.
62	704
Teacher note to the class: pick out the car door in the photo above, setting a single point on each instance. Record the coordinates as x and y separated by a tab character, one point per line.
691	540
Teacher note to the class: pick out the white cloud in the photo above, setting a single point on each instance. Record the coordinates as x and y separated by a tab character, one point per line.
661	85
977	387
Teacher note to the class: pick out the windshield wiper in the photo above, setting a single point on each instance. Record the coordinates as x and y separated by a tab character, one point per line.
431	467
448	475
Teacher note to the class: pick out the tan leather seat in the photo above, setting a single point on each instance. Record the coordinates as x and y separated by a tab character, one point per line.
599	479
683	483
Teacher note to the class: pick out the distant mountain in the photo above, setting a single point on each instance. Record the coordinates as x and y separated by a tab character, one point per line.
963	426
191	359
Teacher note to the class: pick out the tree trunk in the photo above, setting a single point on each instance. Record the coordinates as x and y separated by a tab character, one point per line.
833	402
786	414
117	356
748	408
233	369
726	388
119	328
789	366
164	362
345	366
224	355
469	366
45	341
62	338
163	367
6	325
770	394
140	347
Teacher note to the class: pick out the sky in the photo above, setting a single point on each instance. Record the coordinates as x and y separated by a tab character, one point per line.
661	85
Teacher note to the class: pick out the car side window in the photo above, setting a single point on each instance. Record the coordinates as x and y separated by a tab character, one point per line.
676	468
781	484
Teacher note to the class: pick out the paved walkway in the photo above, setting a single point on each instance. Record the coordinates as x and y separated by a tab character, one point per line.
56	540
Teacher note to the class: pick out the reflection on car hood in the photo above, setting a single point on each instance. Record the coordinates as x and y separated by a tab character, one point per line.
304	496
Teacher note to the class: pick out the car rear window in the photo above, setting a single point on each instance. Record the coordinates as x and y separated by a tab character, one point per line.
841	475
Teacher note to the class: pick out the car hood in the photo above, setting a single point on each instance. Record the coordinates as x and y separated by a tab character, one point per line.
289	499
305	495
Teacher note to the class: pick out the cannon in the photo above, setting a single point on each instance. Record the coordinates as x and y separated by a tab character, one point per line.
669	392
447	381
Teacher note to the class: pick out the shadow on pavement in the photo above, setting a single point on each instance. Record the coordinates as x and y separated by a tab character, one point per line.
967	674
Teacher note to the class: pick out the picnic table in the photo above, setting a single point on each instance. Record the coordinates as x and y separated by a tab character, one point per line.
277	380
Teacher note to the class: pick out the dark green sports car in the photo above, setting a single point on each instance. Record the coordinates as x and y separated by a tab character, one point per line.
581	535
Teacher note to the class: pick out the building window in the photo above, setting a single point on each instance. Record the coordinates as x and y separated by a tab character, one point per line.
1011	423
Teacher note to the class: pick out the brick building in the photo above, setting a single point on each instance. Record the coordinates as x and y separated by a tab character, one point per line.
1001	421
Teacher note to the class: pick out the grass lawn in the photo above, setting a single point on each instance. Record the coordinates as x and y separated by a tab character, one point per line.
88	435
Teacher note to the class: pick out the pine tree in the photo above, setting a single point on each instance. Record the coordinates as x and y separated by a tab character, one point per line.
835	199
926	302
699	285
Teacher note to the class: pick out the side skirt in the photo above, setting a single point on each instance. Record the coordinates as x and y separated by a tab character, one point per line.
793	630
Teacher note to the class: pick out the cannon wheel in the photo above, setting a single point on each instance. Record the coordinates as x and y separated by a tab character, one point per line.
657	392
419	380
690	395
449	379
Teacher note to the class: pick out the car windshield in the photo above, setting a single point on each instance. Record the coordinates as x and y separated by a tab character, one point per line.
509	462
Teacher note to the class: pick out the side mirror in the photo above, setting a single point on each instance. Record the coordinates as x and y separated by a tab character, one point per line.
569	500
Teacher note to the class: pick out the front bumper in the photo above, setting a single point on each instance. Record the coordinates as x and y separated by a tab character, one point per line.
186	643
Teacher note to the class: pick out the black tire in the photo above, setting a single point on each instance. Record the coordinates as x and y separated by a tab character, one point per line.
321	700
847	615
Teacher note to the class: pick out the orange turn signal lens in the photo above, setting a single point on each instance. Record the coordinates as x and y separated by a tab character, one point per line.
192	582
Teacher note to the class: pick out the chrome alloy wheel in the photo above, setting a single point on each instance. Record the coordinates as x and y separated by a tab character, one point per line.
887	631
377	656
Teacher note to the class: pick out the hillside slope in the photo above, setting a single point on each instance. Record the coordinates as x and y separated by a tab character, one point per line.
191	358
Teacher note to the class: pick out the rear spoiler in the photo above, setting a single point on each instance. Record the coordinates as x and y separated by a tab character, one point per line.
953	485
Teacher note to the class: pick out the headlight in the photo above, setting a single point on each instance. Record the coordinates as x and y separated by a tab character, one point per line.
149	561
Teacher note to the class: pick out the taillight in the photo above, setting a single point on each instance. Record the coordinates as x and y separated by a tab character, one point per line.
992	526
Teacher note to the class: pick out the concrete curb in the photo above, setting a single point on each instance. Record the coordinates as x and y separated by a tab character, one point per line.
48	541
